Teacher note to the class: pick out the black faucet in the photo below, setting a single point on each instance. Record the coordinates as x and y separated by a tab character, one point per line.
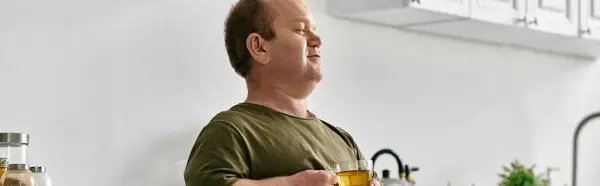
585	121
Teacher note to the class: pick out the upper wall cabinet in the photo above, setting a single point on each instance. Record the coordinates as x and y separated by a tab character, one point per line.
590	19
458	8
554	16
507	12
557	26
399	13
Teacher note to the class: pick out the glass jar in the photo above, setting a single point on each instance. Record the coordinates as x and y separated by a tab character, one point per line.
14	147
40	176
17	175
3	166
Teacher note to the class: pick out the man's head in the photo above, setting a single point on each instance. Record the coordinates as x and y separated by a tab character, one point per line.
274	41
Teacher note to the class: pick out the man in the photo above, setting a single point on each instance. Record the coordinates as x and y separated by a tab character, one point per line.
271	139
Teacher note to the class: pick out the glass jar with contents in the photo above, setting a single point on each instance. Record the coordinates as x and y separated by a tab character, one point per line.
17	175
14	147
3	166
40	176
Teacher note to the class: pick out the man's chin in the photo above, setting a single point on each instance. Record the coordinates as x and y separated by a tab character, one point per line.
315	77
318	77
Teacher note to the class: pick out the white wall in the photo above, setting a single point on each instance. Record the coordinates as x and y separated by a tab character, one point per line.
115	93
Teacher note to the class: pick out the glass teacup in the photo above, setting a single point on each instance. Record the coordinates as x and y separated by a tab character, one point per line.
354	173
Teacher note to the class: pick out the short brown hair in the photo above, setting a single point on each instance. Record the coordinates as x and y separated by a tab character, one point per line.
246	17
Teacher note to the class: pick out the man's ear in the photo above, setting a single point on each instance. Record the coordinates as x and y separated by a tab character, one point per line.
257	46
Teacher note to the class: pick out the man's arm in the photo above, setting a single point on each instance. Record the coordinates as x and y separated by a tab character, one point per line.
308	177
219	157
278	181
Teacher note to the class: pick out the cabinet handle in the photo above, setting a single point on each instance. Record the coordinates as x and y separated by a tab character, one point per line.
534	21
587	31
416	1
520	20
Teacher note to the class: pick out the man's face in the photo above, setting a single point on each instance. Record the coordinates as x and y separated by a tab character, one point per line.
294	52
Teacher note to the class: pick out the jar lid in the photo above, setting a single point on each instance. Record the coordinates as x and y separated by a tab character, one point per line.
14	139
38	169
18	166
3	162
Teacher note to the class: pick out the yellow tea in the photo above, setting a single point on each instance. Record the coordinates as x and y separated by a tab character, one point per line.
354	178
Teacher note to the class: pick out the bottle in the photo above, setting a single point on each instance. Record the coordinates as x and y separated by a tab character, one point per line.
17	175
3	166
40	176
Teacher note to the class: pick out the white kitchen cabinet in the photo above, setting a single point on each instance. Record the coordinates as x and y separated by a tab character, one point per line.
553	16
399	13
451	7
506	12
491	21
556	26
583	42
590	19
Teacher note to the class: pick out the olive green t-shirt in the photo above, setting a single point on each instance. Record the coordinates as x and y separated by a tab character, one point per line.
250	141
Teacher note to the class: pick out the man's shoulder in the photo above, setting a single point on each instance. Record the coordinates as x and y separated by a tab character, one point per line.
236	116
336	128
230	117
225	123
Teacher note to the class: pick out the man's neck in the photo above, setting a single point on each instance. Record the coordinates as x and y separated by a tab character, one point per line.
278	100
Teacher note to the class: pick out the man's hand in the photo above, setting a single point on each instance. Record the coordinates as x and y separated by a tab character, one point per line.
312	178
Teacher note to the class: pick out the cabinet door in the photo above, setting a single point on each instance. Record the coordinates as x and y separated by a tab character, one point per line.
508	12
458	8
553	16
590	19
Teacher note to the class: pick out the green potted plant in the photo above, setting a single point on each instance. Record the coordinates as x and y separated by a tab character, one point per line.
519	175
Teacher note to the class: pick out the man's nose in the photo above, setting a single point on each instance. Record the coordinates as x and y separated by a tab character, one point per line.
314	40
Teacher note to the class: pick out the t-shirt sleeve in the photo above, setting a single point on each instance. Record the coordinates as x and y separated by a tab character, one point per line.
219	157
